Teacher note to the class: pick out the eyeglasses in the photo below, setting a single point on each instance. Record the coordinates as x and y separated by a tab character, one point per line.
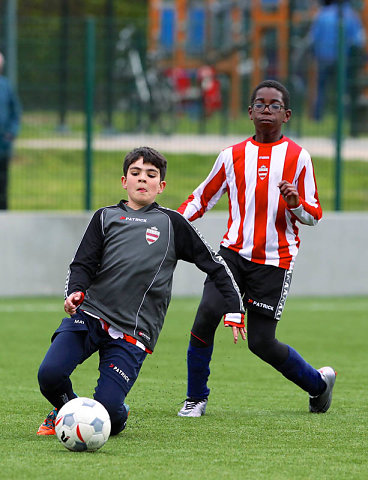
272	107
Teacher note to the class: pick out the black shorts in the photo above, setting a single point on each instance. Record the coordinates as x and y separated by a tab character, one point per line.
264	287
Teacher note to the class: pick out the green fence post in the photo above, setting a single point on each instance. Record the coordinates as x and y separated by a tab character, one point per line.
109	65
89	84
11	39
63	65
340	107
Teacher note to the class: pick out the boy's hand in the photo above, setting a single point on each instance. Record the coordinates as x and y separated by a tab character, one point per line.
71	303
289	193
236	322
236	331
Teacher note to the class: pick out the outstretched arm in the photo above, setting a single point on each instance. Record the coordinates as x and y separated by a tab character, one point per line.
207	194
86	261
191	247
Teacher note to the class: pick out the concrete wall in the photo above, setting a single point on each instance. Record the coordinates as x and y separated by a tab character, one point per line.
36	249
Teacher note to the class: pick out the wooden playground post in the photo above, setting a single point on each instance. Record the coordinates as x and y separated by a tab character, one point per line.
181	10
153	24
277	18
261	21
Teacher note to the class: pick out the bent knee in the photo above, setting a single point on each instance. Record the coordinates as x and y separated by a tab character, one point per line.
271	351
210	308
260	347
255	346
205	324
49	377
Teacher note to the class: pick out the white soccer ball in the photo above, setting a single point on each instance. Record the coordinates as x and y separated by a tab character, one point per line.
83	424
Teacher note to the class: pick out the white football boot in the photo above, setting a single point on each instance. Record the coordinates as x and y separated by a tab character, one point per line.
321	403
193	408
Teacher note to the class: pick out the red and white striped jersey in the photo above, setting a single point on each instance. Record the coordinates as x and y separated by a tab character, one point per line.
261	227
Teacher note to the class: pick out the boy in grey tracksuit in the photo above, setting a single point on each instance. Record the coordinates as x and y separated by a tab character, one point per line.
119	287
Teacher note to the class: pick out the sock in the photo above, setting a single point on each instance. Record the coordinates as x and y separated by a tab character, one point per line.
58	398
198	362
296	369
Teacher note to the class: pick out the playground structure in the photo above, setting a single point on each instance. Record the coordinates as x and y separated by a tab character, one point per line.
253	37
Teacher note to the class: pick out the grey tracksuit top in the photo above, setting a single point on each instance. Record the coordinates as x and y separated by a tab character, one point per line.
125	263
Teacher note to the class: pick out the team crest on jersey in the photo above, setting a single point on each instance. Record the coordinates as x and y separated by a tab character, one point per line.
152	235
262	172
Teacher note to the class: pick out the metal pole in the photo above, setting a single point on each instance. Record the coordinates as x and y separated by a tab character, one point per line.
295	126
340	106
109	59
290	44
63	64
89	84
11	42
288	80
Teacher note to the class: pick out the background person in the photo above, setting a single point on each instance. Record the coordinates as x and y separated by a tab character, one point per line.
325	44
9	127
270	184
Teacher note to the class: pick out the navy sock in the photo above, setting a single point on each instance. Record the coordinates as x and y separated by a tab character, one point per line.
296	369
58	398
198	362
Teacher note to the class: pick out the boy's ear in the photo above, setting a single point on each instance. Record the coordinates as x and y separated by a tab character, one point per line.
162	186
287	115
123	181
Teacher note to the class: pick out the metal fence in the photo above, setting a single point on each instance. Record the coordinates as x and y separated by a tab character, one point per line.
92	89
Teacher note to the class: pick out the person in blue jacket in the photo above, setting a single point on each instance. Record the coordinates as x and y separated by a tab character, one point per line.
9	127
325	44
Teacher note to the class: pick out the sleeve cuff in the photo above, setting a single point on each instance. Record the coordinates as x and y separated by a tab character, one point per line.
297	209
81	299
234	320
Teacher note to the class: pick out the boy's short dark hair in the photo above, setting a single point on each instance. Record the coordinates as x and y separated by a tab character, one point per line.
149	155
272	84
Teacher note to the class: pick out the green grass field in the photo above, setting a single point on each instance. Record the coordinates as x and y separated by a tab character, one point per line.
54	180
257	424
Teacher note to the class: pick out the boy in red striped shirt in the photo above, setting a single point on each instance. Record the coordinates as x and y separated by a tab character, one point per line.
270	184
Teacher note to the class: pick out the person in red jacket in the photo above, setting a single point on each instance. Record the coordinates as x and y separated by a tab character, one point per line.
270	184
